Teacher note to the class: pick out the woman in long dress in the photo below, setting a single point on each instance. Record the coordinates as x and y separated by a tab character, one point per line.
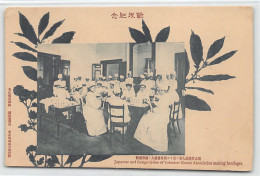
93	114
152	128
60	89
117	101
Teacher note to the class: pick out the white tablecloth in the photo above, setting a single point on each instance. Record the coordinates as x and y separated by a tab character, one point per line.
57	102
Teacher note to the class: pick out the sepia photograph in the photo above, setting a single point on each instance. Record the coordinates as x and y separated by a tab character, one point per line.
111	99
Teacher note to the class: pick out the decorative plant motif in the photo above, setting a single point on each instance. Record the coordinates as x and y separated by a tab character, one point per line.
27	97
145	36
28	32
196	49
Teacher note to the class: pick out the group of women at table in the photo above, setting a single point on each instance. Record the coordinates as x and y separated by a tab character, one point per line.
157	93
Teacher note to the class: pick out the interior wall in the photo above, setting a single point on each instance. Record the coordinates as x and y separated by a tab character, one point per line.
82	56
111	51
165	56
140	53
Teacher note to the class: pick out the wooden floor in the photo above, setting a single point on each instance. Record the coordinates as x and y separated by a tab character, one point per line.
76	143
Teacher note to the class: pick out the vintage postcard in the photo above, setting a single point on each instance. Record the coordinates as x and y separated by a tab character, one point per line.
129	87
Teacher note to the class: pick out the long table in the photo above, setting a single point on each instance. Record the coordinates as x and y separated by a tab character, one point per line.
57	113
136	110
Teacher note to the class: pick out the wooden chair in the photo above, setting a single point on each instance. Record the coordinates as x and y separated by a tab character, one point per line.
81	105
74	119
174	116
117	120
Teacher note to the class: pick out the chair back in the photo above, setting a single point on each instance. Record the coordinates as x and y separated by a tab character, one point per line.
81	105
115	108
174	110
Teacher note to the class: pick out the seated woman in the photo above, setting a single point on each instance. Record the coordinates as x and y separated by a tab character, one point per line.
117	101
161	83
93	114
152	128
128	92
143	96
110	88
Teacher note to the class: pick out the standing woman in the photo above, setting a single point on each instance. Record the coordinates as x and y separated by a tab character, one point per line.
60	89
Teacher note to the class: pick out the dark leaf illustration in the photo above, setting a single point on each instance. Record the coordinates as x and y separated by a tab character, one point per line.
194	103
24	95
30	72
138	36
83	161
187	64
24	46
32	95
32	115
146	31
19	34
215	47
51	31
18	90
223	58
73	158
31	123
97	158
34	104
43	23
196	49
50	162
40	161
27	29
25	56
64	38
24	127
31	148
215	77
32	158
201	89
55	159
163	35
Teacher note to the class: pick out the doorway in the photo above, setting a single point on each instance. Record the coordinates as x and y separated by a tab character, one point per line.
112	67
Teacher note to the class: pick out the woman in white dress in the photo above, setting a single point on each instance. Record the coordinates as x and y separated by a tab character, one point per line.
93	114
117	101
128	91
152	128
59	88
